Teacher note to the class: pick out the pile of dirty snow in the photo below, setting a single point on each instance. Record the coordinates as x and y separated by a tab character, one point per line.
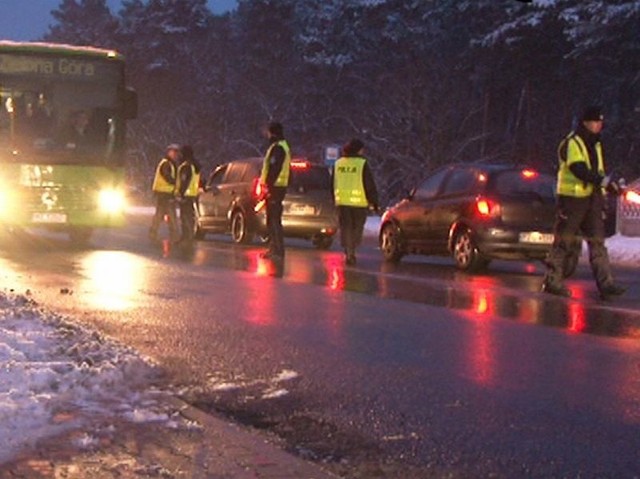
53	369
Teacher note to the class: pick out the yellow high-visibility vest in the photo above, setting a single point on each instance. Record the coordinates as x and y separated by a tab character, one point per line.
192	188
568	184
283	177
160	184
348	182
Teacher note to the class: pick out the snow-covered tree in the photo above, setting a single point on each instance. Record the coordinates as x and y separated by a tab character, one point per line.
83	22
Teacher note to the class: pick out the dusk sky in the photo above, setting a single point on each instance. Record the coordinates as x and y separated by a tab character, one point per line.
28	20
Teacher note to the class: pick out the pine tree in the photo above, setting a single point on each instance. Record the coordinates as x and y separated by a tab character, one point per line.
83	22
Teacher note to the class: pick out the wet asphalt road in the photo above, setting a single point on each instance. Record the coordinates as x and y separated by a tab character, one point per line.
413	370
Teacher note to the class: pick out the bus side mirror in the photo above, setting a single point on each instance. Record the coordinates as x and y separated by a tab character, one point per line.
130	104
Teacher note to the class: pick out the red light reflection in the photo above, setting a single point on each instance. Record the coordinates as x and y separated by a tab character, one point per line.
260	308
576	311
481	349
577	317
334	266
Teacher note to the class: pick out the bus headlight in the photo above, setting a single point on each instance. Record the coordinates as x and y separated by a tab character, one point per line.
111	201
5	203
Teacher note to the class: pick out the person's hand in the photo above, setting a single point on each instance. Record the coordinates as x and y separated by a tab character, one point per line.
605	182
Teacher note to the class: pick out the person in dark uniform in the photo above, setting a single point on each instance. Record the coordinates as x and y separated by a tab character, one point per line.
164	188
187	184
275	180
354	191
582	182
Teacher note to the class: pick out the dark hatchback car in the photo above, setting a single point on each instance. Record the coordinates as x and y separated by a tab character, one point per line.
229	200
475	213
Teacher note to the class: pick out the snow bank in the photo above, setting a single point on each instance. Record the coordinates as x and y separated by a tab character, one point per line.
56	374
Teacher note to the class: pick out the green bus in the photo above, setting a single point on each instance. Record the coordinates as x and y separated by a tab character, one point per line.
63	114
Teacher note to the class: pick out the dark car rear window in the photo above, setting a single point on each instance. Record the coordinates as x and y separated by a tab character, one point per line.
516	182
313	178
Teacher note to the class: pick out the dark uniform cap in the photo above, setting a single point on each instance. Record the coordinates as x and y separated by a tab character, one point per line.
353	147
187	152
173	146
276	128
592	113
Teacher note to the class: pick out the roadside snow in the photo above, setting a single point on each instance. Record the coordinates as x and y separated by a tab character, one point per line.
57	375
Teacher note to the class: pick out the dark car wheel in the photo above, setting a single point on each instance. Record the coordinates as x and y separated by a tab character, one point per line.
240	232
322	242
390	243
198	232
466	254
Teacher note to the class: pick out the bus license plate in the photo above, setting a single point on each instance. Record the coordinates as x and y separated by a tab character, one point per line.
50	218
536	238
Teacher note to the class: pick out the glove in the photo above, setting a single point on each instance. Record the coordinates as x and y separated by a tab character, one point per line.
605	182
615	187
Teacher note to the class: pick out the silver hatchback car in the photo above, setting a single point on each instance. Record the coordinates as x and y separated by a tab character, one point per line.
228	203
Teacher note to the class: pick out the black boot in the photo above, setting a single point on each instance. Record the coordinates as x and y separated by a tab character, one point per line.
556	290
611	290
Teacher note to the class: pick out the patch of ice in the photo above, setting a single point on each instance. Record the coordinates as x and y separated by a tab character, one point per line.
225	387
285	375
275	393
146	415
86	441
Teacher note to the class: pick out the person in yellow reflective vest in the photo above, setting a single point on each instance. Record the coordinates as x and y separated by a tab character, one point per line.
164	186
275	180
582	182
354	192
187	185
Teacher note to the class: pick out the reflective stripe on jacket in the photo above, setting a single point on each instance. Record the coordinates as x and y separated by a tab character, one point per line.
160	184
192	189
576	151
348	182
283	177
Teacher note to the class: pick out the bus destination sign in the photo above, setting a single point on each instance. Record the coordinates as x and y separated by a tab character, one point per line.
64	67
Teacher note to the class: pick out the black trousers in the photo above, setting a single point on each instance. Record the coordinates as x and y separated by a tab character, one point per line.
579	216
165	206
274	220
351	220
187	218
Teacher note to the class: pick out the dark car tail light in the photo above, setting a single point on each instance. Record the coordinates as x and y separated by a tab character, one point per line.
300	165
631	196
529	174
487	208
256	189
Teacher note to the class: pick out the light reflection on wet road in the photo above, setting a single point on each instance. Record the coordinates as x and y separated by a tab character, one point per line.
507	290
459	394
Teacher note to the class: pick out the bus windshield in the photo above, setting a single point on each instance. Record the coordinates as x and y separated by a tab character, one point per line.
64	120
